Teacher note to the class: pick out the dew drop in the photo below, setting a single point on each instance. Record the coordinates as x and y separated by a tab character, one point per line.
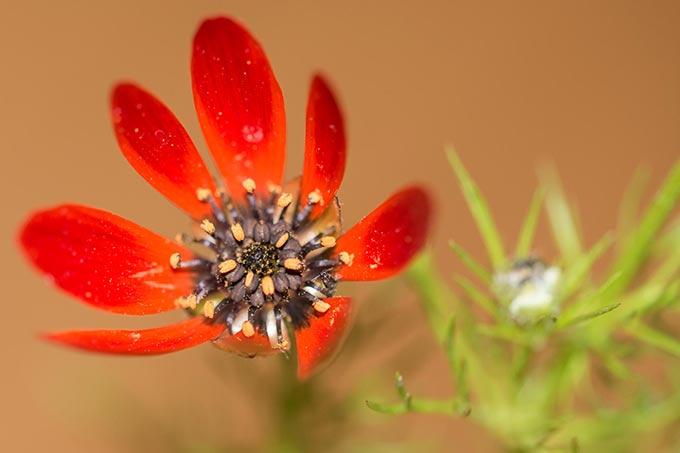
161	137
252	134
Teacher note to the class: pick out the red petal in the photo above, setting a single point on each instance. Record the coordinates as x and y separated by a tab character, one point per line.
239	105
317	343
384	241
160	340
159	148
107	261
325	148
257	345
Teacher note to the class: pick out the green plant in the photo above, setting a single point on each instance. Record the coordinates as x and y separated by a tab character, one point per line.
561	357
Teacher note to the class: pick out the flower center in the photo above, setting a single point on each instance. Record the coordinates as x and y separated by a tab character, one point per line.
268	263
259	258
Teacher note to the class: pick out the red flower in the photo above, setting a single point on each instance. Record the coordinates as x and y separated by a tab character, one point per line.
266	258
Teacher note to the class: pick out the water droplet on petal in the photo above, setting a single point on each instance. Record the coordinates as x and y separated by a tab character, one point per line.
161	137
252	134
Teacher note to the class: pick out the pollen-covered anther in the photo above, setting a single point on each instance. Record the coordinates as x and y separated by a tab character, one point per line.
248	329
285	199
249	278
187	302
293	264
237	232
227	266
283	344
208	226
328	241
203	194
321	306
249	185
345	258
267	285
282	240
315	197
175	260
274	188
209	309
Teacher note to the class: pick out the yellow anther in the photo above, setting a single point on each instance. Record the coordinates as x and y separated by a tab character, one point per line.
273	188
249	185
293	264
249	278
203	194
328	241
248	329
282	240
175	260
315	197
345	258
227	266
209	309
186	302
321	306
237	231
267	285
208	226
285	199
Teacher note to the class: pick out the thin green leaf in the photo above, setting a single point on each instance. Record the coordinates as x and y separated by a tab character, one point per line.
505	332
477	296
670	265
471	263
388	409
655	338
410	404
593	298
560	215
653	297
422	406
458	367
451	352
637	249
587	316
520	364
526	235
632	197
401	391
480	211
576	275
616	366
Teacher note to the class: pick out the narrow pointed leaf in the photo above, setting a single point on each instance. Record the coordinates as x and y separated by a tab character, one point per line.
561	218
480	211
526	235
471	263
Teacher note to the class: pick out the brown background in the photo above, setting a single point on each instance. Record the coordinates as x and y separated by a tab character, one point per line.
591	86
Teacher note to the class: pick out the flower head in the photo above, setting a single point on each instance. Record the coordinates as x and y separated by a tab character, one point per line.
264	259
528	290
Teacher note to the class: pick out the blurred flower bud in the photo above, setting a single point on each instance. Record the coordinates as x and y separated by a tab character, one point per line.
527	290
